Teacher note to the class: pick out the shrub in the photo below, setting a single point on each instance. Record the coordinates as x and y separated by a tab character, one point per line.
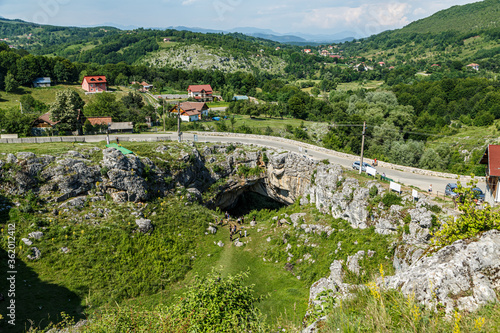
104	171
373	191
471	222
219	304
390	199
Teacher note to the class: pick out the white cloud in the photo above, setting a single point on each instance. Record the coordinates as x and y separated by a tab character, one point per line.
366	19
188	2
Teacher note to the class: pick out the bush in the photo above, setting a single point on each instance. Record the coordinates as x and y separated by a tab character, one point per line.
140	127
390	199
471	222
373	191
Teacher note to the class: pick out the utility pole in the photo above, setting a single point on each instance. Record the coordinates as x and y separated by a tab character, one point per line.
362	147
163	103
179	133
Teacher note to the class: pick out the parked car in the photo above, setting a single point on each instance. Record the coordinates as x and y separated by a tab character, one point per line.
355	166
451	190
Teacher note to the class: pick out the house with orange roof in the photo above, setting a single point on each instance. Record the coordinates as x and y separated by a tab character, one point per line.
473	66
95	84
202	93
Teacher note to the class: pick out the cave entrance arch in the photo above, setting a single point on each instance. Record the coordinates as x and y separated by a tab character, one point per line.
249	201
239	200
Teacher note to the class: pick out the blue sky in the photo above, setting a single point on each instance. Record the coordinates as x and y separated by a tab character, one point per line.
364	17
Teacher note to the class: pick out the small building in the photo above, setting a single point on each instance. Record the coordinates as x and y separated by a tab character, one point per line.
100	121
202	93
41	124
473	66
492	160
124	127
307	51
145	86
95	84
200	107
41	82
186	115
240	98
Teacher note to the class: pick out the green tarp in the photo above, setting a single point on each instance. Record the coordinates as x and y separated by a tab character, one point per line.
125	151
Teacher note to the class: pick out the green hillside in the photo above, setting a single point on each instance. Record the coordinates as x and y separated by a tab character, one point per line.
479	15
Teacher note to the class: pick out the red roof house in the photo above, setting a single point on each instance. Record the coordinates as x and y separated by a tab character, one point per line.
473	66
99	120
95	84
203	93
492	160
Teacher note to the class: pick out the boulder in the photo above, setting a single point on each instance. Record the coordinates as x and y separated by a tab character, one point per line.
36	235
35	254
27	241
463	275
144	225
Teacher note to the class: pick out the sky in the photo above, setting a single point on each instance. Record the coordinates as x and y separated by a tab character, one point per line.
362	17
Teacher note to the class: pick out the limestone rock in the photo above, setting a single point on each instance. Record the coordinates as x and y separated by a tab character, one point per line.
77	203
36	235
11	158
35	255
119	197
27	241
464	274
144	225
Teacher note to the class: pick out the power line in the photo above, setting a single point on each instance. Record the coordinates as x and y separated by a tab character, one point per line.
390	130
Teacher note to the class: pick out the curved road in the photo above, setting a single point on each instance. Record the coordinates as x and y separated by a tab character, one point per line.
410	179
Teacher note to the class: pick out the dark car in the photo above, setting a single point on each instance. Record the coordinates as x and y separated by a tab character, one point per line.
355	166
451	190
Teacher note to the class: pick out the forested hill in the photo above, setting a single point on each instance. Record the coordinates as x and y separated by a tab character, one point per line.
468	33
481	15
71	42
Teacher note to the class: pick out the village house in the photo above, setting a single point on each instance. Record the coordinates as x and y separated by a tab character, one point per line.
145	86
492	160
123	127
202	93
42	124
41	82
187	116
473	66
191	111
94	84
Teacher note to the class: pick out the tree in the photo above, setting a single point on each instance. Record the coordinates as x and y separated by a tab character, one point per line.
105	105
121	80
133	100
11	83
32	105
65	109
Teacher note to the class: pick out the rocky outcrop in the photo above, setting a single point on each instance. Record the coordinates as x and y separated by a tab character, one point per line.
464	275
282	176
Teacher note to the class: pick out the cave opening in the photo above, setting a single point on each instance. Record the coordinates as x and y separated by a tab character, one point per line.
249	201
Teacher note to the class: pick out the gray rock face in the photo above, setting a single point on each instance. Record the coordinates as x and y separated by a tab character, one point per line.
11	158
421	216
77	203
70	177
144	225
462	275
134	185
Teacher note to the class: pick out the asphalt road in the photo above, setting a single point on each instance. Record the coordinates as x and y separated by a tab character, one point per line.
407	178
